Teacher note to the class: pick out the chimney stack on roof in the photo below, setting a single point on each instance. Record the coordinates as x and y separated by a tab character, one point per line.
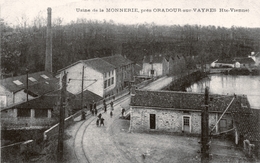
48	55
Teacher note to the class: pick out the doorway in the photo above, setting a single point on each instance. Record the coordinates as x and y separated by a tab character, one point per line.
152	121
186	123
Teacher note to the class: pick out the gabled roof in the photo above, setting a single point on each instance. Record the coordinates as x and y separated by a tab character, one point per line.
247	124
88	97
153	59
226	61
46	101
117	60
39	83
99	65
185	100
245	60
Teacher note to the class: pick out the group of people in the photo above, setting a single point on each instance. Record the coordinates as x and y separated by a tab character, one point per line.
93	108
100	120
111	105
94	111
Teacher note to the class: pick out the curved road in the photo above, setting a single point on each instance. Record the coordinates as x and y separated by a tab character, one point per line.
94	143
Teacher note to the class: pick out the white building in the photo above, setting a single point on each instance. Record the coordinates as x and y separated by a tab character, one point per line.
99	77
13	90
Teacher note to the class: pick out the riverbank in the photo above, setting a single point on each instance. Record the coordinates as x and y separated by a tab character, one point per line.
242	71
248	85
182	83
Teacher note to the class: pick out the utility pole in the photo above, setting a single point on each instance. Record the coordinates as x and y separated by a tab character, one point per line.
82	89
62	116
27	85
205	129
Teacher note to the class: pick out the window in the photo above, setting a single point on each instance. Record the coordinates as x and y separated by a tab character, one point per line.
2	101
105	84
17	82
108	82
108	73
32	79
186	121
105	74
41	113
44	76
23	112
112	72
112	80
223	125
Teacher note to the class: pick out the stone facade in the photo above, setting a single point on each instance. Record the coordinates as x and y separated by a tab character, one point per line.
171	120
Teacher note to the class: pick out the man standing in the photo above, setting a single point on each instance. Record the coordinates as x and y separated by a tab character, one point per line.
112	104
91	108
102	121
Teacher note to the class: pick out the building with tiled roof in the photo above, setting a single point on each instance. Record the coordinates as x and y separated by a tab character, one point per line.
98	77
181	111
247	127
99	65
13	90
155	65
244	62
161	65
124	70
230	63
40	112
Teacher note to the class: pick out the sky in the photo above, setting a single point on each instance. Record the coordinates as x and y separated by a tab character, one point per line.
160	12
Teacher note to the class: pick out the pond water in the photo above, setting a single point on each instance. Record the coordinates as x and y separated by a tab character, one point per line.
228	84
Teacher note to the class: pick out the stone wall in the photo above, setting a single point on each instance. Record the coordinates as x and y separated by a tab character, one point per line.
169	120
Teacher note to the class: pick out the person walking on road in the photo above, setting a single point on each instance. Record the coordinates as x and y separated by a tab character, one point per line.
100	115
112	105
95	111
97	122
94	105
111	114
90	107
123	112
102	121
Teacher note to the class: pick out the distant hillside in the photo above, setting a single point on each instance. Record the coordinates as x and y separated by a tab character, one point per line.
25	47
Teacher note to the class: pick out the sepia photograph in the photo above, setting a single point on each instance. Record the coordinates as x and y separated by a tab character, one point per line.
130	81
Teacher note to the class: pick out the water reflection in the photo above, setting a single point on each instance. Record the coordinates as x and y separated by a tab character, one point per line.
227	84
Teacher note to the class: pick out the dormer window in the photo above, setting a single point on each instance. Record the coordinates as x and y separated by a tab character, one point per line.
44	76
17	82
32	79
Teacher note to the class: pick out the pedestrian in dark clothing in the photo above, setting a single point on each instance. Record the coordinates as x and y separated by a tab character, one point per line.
112	105
90	106
105	108
102	121
97	122
95	111
94	105
123	112
111	114
92	111
83	115
100	115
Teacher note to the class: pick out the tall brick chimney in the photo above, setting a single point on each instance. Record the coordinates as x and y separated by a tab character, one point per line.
48	55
